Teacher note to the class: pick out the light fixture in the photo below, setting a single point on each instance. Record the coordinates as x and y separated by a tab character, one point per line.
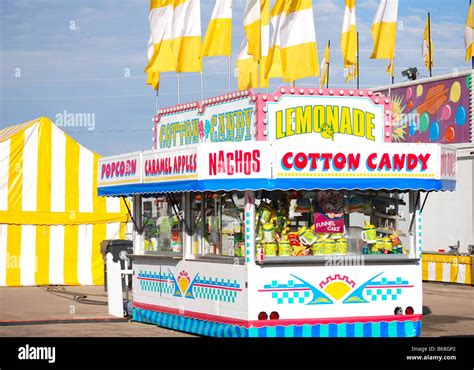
411	73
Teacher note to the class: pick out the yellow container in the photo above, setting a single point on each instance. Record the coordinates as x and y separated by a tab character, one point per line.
317	247
284	248
341	246
387	245
271	249
329	246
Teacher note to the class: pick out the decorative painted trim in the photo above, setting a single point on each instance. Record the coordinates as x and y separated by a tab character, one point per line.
383	326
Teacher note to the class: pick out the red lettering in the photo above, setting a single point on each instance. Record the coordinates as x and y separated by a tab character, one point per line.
230	167
370	161
412	161
353	161
285	161
385	162
326	157
339	161
300	161
212	164
247	160
424	161
256	161
398	161
313	157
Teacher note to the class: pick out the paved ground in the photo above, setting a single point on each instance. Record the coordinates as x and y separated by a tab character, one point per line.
82	312
452	310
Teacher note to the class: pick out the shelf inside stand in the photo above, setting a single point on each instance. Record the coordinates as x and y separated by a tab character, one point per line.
392	217
390	232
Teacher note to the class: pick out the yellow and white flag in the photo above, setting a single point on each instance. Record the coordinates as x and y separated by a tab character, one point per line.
352	72
294	40
427	48
349	35
469	34
153	78
253	28
160	53
391	68
384	30
217	41
325	66
186	35
249	70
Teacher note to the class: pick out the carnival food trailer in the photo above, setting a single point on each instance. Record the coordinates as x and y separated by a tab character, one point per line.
289	214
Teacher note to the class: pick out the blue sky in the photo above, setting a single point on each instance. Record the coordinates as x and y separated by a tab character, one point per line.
87	56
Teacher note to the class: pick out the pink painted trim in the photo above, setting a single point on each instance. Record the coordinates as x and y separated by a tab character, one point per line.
218	287
151	279
334	320
287	322
282	289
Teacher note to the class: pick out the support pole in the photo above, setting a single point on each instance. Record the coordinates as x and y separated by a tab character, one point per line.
429	44
157	101
329	64
202	87
230	69
358	59
392	71
178	89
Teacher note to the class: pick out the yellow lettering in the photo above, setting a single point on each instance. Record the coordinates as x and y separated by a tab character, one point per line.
346	127
332	118
303	120
358	122
318	117
288	120
369	126
279	125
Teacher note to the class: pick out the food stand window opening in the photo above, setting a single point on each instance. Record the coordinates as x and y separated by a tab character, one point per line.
163	224
217	224
330	222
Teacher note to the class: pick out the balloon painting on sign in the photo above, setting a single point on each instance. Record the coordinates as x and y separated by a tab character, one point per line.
432	112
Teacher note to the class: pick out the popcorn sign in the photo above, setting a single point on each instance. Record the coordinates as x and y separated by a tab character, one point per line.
118	170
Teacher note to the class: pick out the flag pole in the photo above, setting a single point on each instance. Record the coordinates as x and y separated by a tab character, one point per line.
202	87
230	67
429	43
258	75
357	66
329	64
472	58
178	88
392	71
157	101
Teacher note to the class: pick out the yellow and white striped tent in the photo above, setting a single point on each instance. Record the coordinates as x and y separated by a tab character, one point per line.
51	219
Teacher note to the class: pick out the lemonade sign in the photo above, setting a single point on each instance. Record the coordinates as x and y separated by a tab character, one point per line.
313	119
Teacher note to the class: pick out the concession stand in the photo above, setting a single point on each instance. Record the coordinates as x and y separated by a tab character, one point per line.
289	214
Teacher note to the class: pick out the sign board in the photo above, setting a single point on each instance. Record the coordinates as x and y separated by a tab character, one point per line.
448	163
346	120
120	169
230	160
170	165
374	161
229	121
